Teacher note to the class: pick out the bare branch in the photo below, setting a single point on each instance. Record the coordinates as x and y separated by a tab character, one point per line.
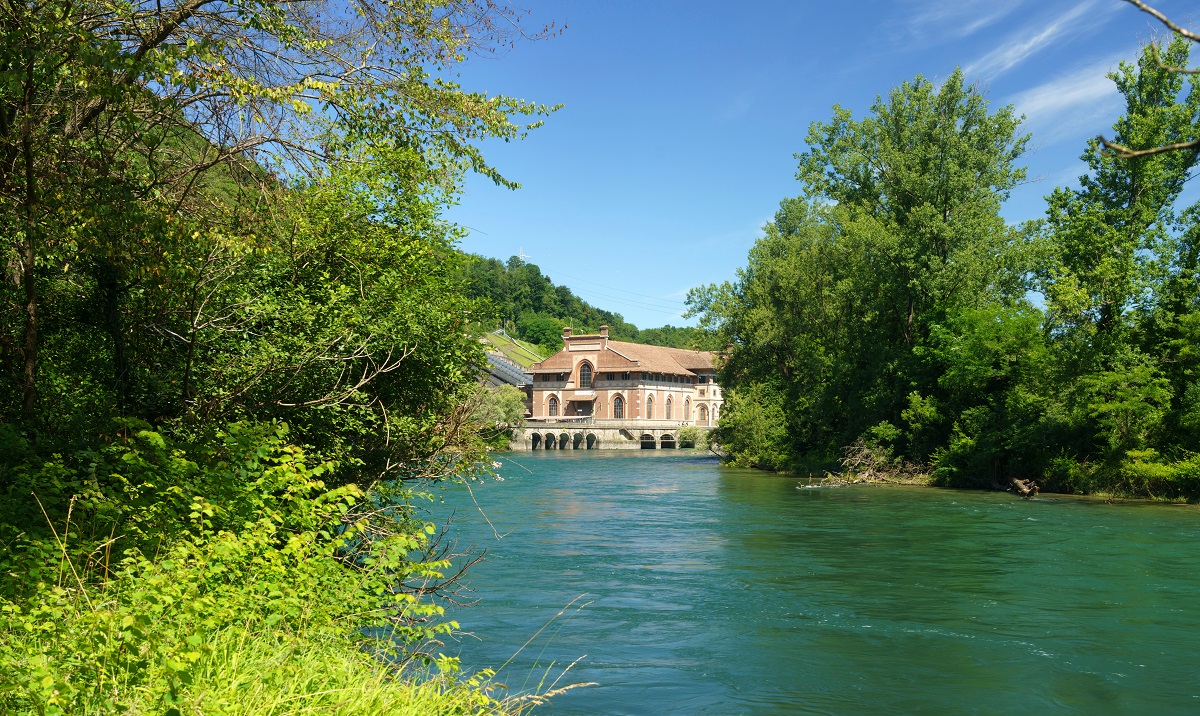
1177	29
1123	152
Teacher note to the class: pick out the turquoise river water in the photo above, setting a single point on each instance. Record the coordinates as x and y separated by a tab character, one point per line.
695	588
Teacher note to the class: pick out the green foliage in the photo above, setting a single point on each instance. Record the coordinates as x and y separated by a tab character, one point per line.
179	559
225	220
1127	405
1107	237
530	306
691	436
503	408
753	430
885	312
843	295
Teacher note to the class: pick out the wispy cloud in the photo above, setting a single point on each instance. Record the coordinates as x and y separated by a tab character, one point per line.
1036	36
1082	99
956	19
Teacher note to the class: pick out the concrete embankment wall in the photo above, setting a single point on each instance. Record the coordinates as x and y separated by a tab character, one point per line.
590	436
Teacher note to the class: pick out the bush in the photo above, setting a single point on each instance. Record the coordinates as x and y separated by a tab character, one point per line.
177	573
753	428
691	436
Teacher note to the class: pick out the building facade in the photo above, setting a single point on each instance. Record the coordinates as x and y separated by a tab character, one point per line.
594	377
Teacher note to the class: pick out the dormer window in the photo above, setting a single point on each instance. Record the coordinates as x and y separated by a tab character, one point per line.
585	375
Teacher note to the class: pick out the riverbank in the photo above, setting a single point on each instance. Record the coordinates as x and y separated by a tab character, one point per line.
248	588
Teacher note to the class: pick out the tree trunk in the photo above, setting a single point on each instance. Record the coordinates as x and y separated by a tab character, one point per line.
108	282
29	257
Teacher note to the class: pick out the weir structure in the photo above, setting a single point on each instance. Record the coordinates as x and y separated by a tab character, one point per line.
593	434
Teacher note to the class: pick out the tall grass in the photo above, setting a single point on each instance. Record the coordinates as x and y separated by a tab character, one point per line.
278	596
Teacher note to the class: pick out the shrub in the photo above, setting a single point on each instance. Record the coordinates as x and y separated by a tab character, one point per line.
691	436
178	572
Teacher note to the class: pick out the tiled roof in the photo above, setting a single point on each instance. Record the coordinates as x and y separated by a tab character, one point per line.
625	356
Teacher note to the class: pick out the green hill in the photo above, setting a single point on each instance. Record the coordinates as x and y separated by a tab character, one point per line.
530	308
520	352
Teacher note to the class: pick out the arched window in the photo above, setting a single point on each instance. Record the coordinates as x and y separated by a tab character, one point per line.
687	408
618	407
553	406
585	375
669	406
703	415
650	408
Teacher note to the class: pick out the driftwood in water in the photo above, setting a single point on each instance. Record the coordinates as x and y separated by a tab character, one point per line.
1025	488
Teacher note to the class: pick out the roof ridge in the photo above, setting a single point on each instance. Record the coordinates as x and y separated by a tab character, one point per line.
614	350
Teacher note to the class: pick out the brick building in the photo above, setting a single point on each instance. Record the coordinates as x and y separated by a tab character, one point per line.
603	379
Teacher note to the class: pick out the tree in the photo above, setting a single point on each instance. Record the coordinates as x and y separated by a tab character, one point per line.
1108	234
502	409
1120	149
144	97
924	177
898	232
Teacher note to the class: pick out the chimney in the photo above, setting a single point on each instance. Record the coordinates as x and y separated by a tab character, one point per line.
566	332
604	331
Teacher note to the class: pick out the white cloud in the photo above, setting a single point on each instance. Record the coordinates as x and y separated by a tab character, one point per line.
1084	99
1034	37
956	19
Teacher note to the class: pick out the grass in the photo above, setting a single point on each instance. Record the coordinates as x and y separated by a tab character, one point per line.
271	673
518	351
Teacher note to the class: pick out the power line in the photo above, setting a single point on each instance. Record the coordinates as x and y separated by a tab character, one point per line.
637	304
621	290
629	301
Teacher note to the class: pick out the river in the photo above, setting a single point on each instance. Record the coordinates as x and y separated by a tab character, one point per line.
695	588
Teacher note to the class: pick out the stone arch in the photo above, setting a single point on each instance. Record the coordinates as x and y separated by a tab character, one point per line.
592	442
650	407
564	440
670	408
549	441
585	372
702	414
667	441
648	442
535	441
552	406
618	407
576	441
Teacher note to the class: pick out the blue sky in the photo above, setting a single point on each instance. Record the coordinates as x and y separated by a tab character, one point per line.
680	120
